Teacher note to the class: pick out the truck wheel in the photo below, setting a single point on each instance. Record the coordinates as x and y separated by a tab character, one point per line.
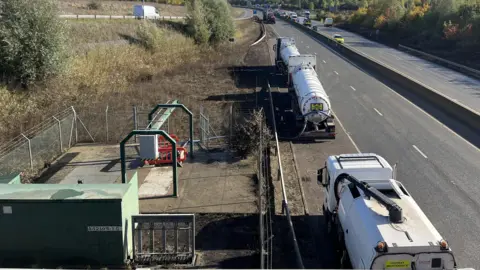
345	261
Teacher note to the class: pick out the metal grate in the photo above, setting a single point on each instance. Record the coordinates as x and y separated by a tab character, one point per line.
164	238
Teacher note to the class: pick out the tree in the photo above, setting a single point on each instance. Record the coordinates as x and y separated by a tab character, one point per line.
321	4
209	21
32	40
196	22
311	6
363	3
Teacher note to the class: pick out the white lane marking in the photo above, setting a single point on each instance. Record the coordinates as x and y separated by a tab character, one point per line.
335	72
421	153
346	132
353	88
315	53
308	47
324	61
379	113
404	98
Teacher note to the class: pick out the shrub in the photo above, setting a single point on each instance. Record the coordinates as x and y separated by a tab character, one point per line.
220	20
247	134
450	30
197	24
380	22
150	35
94	5
32	40
358	16
210	21
417	12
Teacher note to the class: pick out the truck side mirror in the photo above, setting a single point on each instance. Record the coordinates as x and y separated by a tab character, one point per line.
275	47
320	177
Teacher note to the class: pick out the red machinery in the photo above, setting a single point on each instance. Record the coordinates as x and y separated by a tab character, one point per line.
165	152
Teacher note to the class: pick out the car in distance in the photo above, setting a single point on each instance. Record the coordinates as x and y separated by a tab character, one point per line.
338	38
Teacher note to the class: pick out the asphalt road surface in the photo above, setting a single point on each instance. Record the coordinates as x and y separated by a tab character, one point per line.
452	84
439	168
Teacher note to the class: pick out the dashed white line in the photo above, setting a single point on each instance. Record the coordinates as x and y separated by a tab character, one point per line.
379	113
323	61
421	153
346	132
335	72
353	88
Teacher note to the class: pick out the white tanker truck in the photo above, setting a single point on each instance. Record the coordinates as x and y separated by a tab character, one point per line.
310	102
376	223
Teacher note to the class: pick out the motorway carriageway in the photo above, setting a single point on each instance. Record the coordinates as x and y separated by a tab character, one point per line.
438	167
458	87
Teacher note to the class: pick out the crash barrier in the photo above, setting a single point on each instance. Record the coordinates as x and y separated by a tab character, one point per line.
464	69
460	112
285	206
264	34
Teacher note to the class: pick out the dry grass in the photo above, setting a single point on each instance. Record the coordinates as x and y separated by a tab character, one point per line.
87	31
237	12
114	8
127	74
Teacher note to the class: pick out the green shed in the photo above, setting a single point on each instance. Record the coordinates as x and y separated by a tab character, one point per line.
13	178
66	225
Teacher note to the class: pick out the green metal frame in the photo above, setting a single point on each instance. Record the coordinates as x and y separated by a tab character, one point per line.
165	115
168	113
150	132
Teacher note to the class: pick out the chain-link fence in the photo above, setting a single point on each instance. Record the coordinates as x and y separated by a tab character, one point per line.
32	149
265	202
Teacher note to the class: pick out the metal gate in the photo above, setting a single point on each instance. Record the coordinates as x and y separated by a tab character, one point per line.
163	238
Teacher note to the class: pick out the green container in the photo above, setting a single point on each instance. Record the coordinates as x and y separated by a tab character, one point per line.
61	225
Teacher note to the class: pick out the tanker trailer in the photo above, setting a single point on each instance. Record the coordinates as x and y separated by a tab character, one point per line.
285	48
310	102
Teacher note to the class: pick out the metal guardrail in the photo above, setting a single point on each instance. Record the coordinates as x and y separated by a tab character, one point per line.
285	208
461	68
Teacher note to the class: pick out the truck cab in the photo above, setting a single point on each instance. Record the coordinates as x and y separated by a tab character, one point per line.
374	220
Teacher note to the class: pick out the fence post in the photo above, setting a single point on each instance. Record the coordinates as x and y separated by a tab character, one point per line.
76	124
135	122
59	133
29	150
231	126
106	125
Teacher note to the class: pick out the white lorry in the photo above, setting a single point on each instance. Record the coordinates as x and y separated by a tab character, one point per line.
310	103
375	222
328	22
147	12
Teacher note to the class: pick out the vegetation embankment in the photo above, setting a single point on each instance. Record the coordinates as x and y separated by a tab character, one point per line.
447	28
78	63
